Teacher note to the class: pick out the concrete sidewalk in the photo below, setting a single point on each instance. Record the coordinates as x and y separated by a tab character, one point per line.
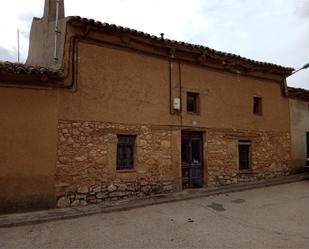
69	213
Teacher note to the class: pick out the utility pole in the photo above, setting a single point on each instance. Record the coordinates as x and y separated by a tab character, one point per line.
18	49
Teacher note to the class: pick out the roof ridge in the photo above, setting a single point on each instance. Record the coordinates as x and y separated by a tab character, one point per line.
183	44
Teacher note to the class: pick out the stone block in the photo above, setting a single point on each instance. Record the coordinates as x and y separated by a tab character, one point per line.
156	188
168	188
75	203
83	190
165	144
146	189
144	183
75	132
65	131
101	160
70	141
96	189
142	142
81	196
63	202
83	203
122	187
131	187
117	194
101	195
111	188
80	158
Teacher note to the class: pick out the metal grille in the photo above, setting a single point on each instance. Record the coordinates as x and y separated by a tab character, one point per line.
125	152
244	155
192	160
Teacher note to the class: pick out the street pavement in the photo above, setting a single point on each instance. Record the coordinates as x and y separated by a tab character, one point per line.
271	217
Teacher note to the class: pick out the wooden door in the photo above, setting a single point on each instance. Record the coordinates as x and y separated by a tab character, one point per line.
192	160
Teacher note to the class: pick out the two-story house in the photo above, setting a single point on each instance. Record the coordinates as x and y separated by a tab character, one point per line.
102	112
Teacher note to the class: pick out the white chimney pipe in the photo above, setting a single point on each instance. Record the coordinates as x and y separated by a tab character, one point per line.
56	31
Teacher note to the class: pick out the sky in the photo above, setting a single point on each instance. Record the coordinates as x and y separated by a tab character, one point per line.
275	31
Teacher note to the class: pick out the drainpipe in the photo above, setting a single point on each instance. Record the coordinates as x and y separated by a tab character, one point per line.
74	64
56	32
180	91
170	87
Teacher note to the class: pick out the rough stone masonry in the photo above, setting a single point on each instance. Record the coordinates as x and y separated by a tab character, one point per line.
270	156
86	167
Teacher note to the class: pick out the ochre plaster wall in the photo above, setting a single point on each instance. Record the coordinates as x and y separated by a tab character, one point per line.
117	91
108	78
226	101
28	144
118	86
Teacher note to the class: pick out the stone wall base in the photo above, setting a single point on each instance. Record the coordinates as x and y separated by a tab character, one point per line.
239	178
270	156
86	171
114	192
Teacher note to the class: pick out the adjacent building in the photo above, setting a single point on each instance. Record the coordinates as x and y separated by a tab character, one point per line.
102	112
299	108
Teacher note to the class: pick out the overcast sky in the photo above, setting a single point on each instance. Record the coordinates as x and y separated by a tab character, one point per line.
274	31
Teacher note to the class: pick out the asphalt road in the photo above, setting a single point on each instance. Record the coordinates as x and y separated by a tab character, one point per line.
273	217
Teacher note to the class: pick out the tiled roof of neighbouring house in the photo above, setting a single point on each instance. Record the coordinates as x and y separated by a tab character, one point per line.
23	69
178	44
298	93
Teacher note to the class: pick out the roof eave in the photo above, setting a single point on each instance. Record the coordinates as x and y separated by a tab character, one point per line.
285	71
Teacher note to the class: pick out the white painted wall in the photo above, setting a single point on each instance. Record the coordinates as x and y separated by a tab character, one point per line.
299	110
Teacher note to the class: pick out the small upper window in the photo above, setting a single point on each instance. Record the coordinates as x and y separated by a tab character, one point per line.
257	105
192	102
125	152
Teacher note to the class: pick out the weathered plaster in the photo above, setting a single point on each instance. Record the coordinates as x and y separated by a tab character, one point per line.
299	127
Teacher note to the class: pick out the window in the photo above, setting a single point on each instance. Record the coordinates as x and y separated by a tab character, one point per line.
257	105
192	102
244	154
125	152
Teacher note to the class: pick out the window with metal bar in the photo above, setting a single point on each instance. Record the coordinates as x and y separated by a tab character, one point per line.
125	152
244	154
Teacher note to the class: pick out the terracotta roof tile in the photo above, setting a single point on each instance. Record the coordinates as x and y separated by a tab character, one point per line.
18	68
198	48
298	93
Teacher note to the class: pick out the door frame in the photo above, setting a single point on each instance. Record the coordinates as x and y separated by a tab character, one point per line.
201	135
307	148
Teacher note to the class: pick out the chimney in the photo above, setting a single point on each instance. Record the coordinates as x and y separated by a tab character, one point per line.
50	10
47	36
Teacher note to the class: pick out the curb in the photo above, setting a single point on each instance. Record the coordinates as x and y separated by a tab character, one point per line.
20	219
